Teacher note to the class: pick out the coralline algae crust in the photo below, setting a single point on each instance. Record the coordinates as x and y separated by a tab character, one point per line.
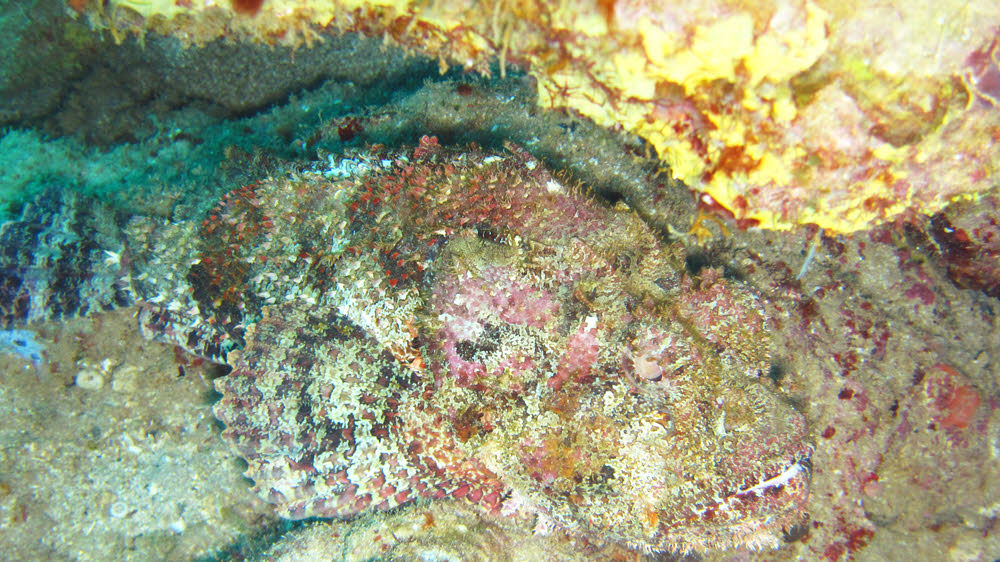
797	112
460	324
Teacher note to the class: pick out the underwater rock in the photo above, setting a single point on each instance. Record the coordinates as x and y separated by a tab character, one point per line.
779	114
967	235
442	530
437	323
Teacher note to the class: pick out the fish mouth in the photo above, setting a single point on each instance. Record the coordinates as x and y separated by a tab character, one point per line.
792	471
798	469
773	498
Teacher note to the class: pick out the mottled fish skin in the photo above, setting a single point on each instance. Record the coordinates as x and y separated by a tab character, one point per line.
438	323
550	359
61	258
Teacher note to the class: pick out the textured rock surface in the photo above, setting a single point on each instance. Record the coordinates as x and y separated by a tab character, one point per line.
445	530
968	237
128	468
783	113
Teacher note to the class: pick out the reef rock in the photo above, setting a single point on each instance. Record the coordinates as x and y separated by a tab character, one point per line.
780	113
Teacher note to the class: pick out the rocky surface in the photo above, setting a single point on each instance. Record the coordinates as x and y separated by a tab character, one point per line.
110	451
883	342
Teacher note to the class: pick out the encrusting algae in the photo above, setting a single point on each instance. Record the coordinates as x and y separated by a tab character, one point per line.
779	113
435	323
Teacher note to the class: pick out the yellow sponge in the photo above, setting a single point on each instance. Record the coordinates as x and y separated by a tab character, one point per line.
784	112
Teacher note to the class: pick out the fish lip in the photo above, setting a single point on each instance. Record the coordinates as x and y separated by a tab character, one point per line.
795	464
793	476
798	468
794	469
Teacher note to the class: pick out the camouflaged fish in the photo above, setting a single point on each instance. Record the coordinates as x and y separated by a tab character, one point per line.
436	323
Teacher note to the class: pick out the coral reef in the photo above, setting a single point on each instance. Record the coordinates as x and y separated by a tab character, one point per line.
890	361
787	113
487	328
